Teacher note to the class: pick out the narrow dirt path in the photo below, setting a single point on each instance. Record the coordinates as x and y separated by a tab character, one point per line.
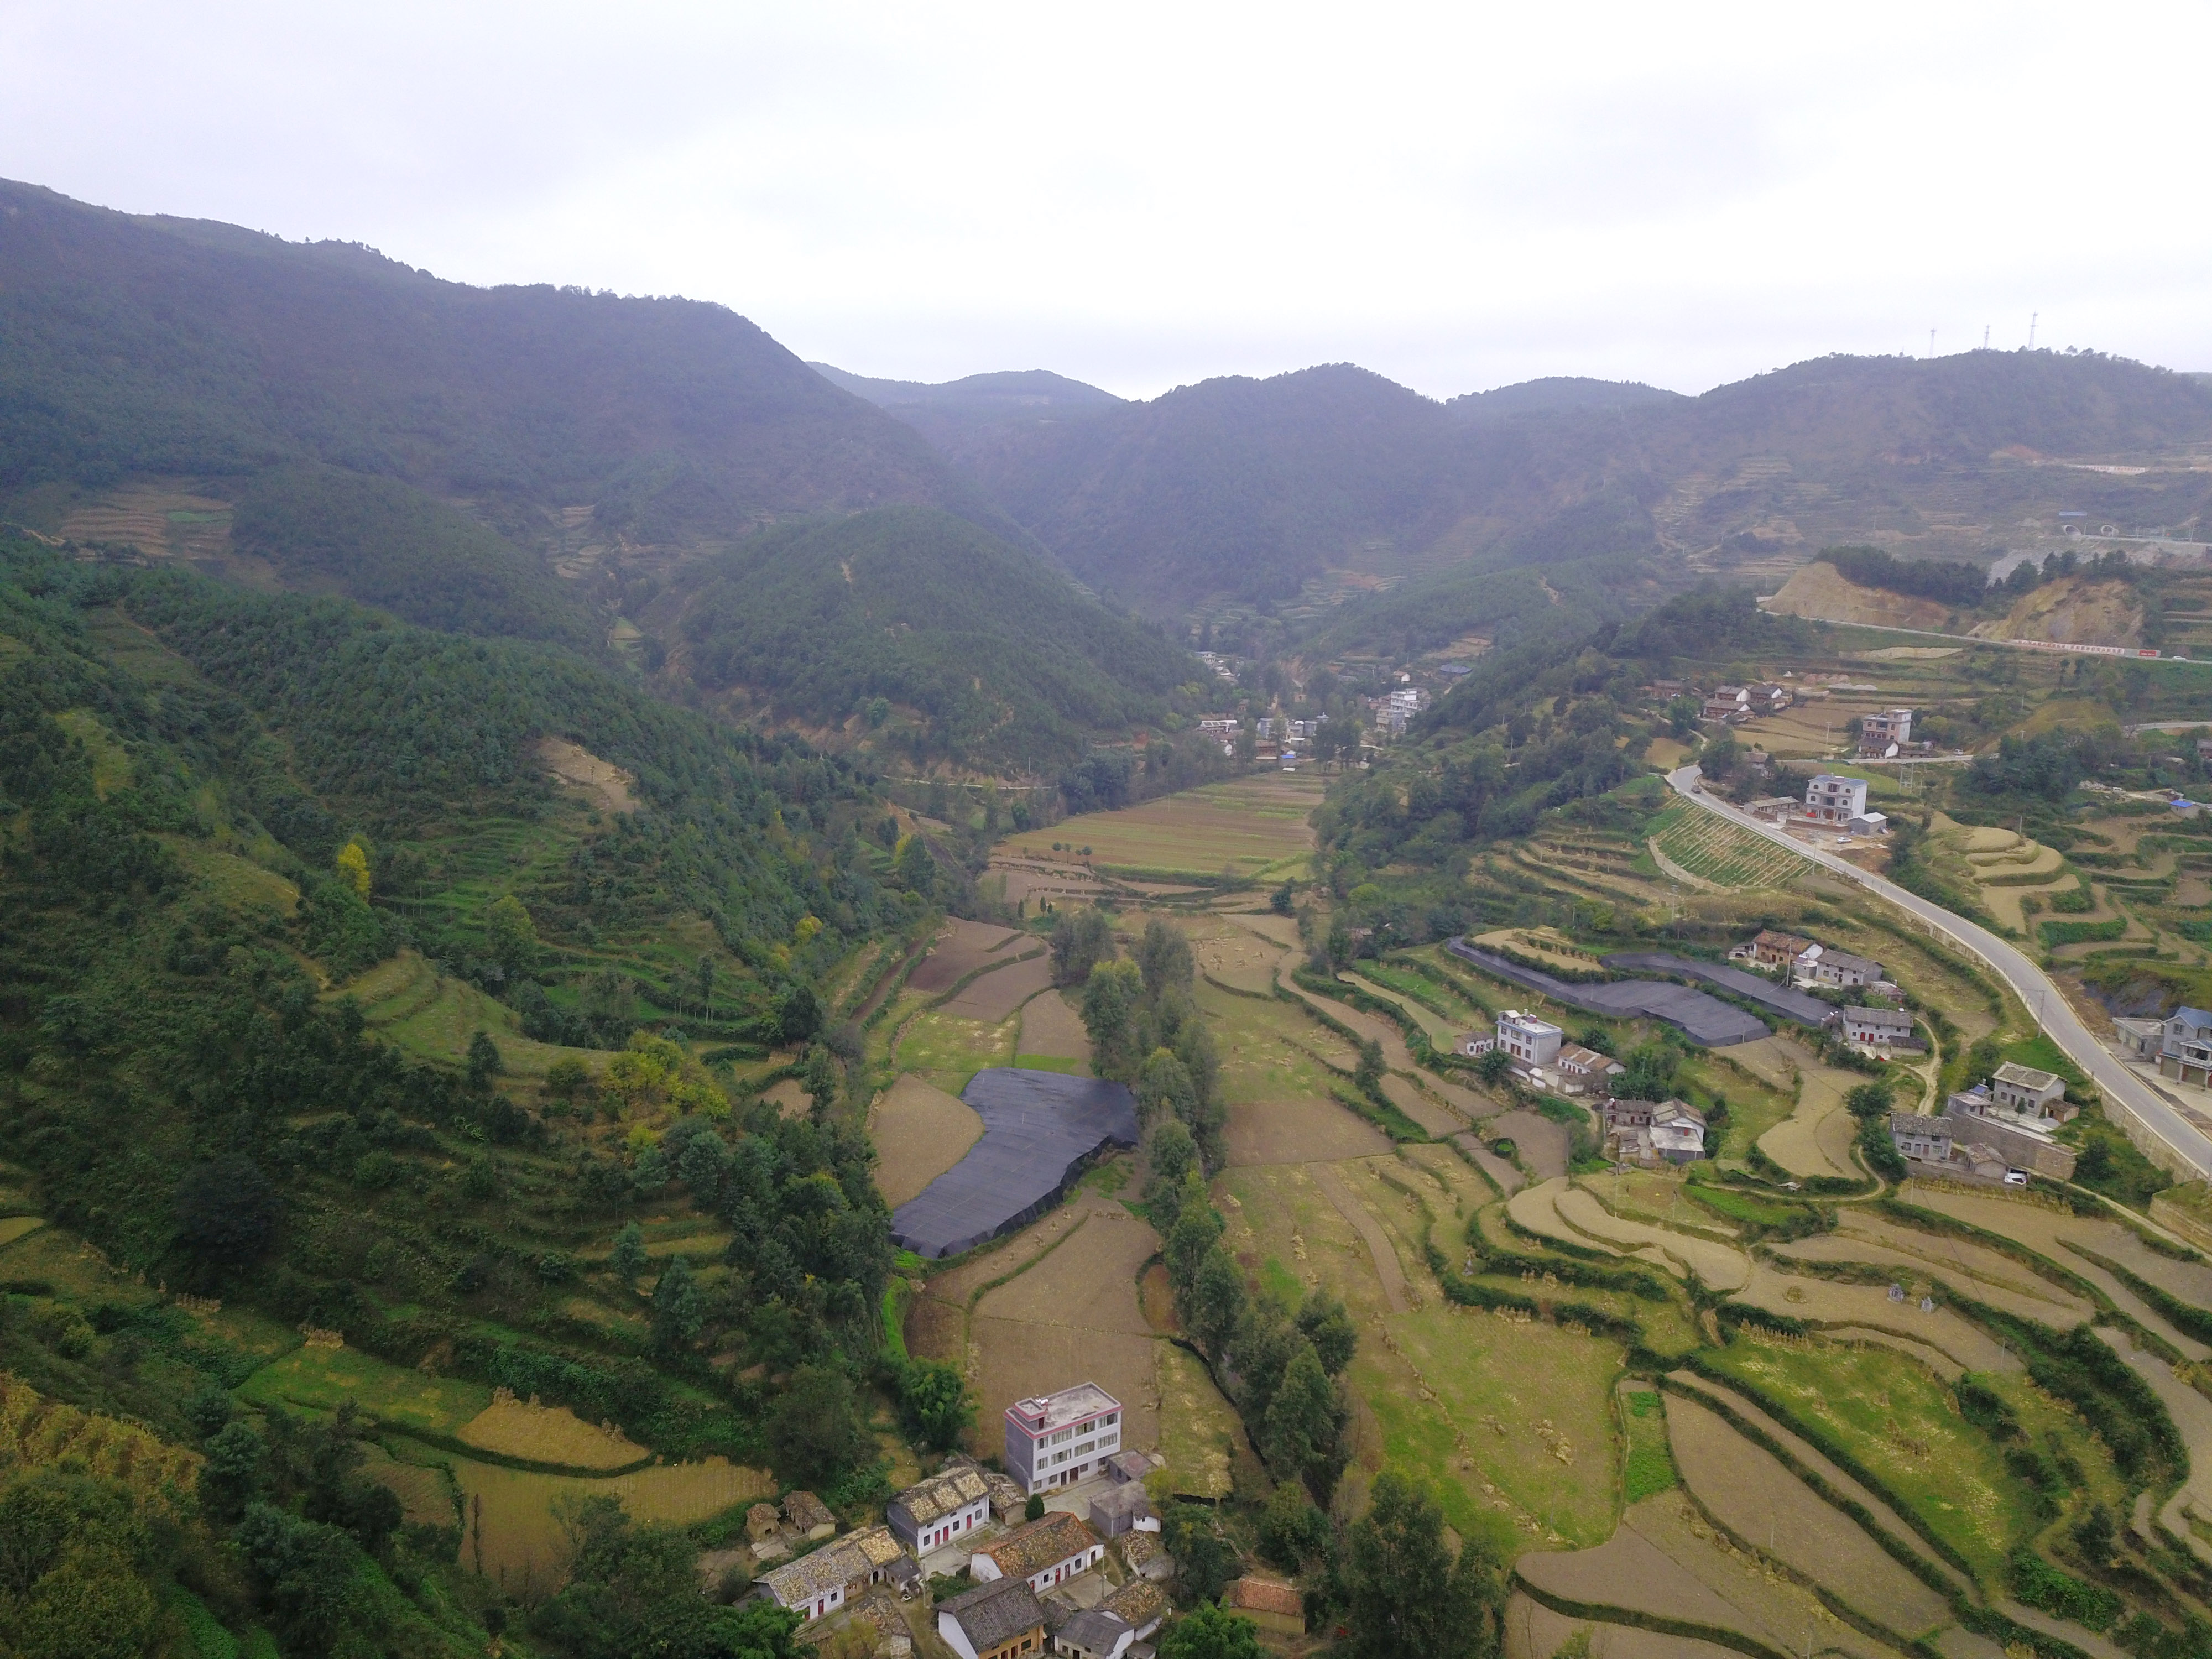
1387	1267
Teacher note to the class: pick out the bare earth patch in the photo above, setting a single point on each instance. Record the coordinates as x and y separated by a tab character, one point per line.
1299	1132
991	996
1823	1301
605	785
920	1133
961	948
1050	1027
1748	1491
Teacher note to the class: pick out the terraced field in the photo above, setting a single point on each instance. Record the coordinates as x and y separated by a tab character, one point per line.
1725	854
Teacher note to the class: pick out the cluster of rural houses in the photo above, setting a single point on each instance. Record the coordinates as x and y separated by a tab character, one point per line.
1640	1131
1040	1585
1997	1131
2180	1045
1875	1024
1830	801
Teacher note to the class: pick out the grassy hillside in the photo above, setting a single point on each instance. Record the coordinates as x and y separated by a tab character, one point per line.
219	814
979	651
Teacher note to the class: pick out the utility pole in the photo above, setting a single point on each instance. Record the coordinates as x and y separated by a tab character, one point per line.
1931	344
1985	337
2033	317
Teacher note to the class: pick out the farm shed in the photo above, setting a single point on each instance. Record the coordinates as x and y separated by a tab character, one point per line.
1039	1129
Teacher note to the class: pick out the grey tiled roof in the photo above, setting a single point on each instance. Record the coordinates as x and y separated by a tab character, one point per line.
996	1611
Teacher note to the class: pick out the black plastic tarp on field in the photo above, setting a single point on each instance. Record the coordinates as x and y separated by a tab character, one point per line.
1039	1130
1706	1021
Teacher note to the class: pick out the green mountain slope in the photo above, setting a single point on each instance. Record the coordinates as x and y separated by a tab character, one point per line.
988	655
309	973
1248	489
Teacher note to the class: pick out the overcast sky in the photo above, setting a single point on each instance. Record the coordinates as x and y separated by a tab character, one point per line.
1458	196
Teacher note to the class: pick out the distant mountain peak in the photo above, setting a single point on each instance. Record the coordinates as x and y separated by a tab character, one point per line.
1010	390
1561	393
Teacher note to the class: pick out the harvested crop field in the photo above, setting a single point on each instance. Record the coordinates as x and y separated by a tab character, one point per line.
425	1499
1236	957
549	1434
1200	1433
1533	1631
1507	1179
1525	1408
1299	1132
1815	1140
920	1133
1074	1313
1720	1266
2062	1238
1826	1302
1965	1273
1748	1491
961	947
1249	827
1897	1423
1381	1254
1541	1144
1629	1572
992	995
1050	1027
522	1543
1533	1209
945	1050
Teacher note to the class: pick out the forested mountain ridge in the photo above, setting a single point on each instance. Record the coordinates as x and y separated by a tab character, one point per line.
321	1000
1243	491
921	633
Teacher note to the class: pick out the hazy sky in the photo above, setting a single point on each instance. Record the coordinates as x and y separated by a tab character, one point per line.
1458	196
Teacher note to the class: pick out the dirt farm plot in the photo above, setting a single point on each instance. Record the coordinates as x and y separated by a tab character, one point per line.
1051	1027
1533	1631
920	1133
1073	1314
991	996
1251	826
1750	1492
1824	1302
2192	1420
1299	1132
1815	1140
1236	958
1719	1266
2053	1236
961	948
1542	1144
1628	1570
1919	1258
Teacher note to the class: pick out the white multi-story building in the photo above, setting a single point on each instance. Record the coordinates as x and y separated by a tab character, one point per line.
1531	1041
1832	799
1887	732
1057	1439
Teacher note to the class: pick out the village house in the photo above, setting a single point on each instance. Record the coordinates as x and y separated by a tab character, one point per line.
1677	1133
1772	698
1887	733
2186	1054
1275	1608
1833	799
1001	1621
2031	1093
1879	1029
1583	1070
1822	966
1475	1044
808	1516
814	1585
929	1516
1772	950
1094	1633
1123	1509
1531	1041
1146	1557
2013	1137
2139	1039
1727	703
1140	1604
1774	809
1869	824
1619	1114
1058	1439
1041	1554
1925	1139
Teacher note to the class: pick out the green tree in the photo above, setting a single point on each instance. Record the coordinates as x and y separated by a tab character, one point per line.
511	937
1211	1634
1081	939
352	866
1173	1154
1299	1433
1164	1086
1325	1322
485	1062
814	1433
817	1078
227	1211
676	1314
1215	1304
1283	900
1164	956
1196	1227
1111	998
1495	1066
1292	1531
628	1260
1870	1100
1367	1074
1033	1508
1407	1597
912	868
937	1404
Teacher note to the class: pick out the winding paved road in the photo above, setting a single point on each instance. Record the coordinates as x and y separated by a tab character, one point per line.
2188	1144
